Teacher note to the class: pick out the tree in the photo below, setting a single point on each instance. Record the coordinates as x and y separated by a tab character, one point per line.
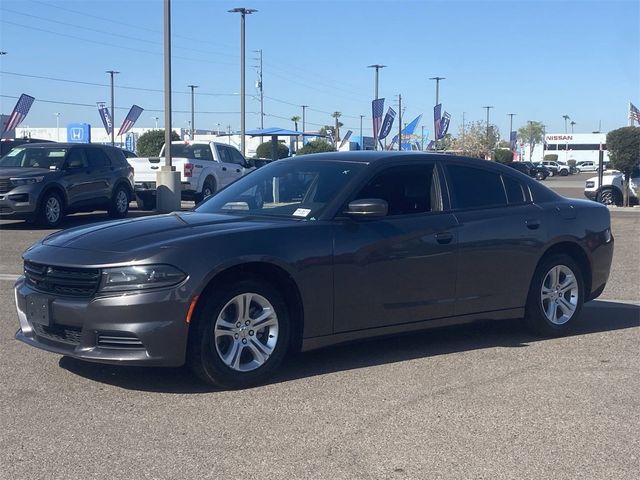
316	146
448	142
531	133
474	142
502	155
337	115
264	150
150	143
623	145
295	119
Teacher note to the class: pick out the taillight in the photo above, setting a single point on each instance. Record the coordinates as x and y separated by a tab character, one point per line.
188	169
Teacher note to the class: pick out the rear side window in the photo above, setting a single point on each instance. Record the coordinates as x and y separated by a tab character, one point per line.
476	187
514	189
97	158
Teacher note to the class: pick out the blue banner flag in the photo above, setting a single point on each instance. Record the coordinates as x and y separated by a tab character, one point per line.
345	139
377	108
388	123
513	140
19	113
437	116
103	111
130	119
444	125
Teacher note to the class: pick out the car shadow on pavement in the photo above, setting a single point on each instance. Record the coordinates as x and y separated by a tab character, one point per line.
71	221
597	316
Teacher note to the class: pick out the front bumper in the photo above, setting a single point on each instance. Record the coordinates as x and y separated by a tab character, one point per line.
18	203
591	194
146	328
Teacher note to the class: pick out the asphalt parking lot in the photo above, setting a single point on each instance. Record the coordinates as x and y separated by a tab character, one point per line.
481	401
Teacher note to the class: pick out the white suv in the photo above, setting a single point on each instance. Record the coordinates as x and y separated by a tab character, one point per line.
556	168
587	166
610	193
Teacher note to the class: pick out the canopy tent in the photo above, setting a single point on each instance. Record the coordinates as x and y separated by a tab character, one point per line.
274	133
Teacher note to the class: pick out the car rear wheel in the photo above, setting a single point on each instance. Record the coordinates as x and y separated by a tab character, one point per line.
609	196
540	176
564	173
119	206
208	189
51	210
555	296
551	174
240	335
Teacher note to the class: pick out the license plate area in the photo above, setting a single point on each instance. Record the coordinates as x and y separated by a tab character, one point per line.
39	309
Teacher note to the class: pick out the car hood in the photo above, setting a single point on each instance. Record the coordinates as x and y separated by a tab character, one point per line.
13	172
152	233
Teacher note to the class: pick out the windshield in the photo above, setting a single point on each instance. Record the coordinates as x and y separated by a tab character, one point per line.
287	188
34	157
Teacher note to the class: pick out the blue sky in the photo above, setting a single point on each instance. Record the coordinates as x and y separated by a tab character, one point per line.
539	59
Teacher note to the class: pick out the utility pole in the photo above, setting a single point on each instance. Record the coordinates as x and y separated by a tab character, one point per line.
260	89
435	133
488	148
361	137
463	126
156	120
228	134
377	67
113	112
304	108
399	122
511	115
57	114
243	13
422	138
193	121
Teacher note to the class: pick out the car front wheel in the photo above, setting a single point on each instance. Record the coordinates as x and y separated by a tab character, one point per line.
51	210
608	196
240	334
555	296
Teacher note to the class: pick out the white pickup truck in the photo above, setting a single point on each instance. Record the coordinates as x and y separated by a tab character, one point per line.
610	193
205	168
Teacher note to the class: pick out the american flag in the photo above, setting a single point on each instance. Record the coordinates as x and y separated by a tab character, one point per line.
377	108
130	119
19	112
634	113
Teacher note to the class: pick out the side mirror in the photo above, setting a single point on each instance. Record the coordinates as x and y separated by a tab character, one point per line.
250	163
368	207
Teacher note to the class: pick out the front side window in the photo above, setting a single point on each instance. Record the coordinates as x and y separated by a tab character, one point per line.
406	189
34	157
236	157
97	158
475	187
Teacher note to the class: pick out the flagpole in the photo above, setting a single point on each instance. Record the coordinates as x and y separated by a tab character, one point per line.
630	123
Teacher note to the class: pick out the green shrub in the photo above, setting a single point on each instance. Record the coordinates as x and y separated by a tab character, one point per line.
551	157
316	146
150	143
264	150
502	156
572	162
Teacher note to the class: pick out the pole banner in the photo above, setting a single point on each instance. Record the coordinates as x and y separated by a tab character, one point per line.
130	119
345	139
387	123
105	116
19	113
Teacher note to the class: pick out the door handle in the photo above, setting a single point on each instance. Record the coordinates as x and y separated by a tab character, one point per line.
444	238
532	224
237	170
224	169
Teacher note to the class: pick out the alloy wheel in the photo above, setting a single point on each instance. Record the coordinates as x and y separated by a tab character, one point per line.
559	294
122	201
606	197
246	332
52	210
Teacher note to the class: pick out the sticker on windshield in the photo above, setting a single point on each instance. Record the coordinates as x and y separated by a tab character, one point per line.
302	212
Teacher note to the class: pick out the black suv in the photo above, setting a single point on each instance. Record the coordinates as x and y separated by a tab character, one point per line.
539	172
45	181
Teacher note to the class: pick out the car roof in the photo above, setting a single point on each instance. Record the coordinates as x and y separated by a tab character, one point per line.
372	156
62	145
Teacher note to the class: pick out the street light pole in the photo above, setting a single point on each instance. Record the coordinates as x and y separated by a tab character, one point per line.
511	115
435	134
377	67
399	122
488	107
572	124
57	114
243	13
361	137
156	120
113	112
304	119
566	117
193	121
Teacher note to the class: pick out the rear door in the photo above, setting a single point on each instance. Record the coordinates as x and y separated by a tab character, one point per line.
500	235
76	177
101	173
400	268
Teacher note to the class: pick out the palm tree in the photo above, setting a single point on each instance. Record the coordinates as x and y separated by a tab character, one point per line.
295	119
337	115
566	117
572	123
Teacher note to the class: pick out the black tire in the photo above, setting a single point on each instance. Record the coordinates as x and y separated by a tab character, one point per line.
46	212
609	196
535	316
203	355
146	202
119	204
540	176
551	173
564	173
208	189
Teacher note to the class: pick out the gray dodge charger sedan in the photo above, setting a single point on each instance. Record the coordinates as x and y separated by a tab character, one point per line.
314	251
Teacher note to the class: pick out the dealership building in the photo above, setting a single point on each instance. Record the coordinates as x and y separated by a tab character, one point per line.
569	146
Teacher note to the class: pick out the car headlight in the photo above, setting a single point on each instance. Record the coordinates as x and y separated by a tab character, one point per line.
141	277
16	182
590	184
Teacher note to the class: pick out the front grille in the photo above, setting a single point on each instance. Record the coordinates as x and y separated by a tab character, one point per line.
71	282
119	341
58	333
5	185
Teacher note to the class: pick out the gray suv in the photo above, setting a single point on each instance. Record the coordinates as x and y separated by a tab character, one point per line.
43	182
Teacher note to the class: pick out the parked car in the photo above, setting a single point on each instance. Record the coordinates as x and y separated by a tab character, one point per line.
6	144
205	168
129	153
344	246
45	181
528	168
556	168
586	166
610	193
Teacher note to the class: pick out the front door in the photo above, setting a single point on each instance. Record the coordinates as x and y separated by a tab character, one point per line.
400	268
